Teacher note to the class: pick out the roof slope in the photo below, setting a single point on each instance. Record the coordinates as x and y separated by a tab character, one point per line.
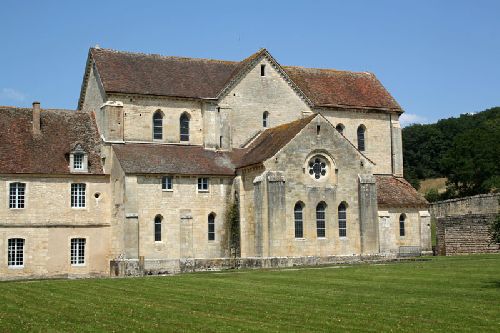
269	142
397	192
333	88
137	73
148	74
47	153
172	159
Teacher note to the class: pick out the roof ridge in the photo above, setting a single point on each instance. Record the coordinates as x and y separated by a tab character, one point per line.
7	107
329	70
161	56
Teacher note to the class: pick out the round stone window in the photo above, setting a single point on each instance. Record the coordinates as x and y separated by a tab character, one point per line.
318	167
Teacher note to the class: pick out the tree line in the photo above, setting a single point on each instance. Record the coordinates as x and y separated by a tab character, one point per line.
465	150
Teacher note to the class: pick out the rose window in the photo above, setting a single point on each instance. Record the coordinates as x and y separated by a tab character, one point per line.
317	167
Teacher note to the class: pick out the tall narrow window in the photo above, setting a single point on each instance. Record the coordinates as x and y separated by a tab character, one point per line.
77	251
320	220
15	251
299	221
340	128
184	127
211	227
220	141
158	220
265	119
167	183
342	213
262	70
78	195
361	138
158	125
402	219
16	195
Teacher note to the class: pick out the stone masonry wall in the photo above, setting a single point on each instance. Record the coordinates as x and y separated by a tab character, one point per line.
478	204
465	234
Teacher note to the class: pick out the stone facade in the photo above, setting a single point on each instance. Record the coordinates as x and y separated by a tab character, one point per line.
135	223
463	225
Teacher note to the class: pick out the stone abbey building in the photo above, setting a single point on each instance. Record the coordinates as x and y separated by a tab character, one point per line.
174	164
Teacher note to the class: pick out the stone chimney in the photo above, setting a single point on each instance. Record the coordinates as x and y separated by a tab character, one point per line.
36	118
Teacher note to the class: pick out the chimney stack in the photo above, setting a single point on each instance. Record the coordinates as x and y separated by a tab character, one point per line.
36	118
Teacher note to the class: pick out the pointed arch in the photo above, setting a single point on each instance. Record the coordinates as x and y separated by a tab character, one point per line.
184	126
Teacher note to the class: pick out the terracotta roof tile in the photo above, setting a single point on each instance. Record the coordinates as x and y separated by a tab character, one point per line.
397	192
146	74
333	88
269	142
47	153
172	159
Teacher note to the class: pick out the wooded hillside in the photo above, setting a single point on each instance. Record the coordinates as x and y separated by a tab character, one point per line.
466	150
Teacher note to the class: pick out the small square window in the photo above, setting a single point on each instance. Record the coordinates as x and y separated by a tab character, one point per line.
202	184
167	183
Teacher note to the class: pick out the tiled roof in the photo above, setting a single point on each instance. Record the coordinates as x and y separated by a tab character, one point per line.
172	159
397	192
137	73
269	142
333	88
47	153
146	74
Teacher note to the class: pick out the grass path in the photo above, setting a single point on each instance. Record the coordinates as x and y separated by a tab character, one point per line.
453	294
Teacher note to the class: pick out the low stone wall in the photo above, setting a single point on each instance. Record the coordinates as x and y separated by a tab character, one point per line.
465	234
478	204
131	267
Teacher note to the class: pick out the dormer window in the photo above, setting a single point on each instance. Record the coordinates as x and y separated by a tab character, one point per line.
78	160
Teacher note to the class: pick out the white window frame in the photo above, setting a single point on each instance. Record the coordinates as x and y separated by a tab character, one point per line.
165	182
203	184
78	159
77	251
14	258
78	194
17	198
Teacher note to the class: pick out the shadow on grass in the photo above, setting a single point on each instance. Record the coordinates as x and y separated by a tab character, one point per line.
492	284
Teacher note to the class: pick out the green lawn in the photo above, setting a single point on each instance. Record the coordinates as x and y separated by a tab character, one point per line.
445	294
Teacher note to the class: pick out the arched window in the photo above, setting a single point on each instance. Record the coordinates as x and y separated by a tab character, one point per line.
265	119
184	127
361	138
320	219
299	221
158	220
158	125
402	219
340	128
211	227
342	213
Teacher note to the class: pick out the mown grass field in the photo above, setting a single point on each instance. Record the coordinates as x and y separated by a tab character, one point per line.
451	294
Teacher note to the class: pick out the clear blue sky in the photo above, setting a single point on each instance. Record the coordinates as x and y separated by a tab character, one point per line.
437	58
